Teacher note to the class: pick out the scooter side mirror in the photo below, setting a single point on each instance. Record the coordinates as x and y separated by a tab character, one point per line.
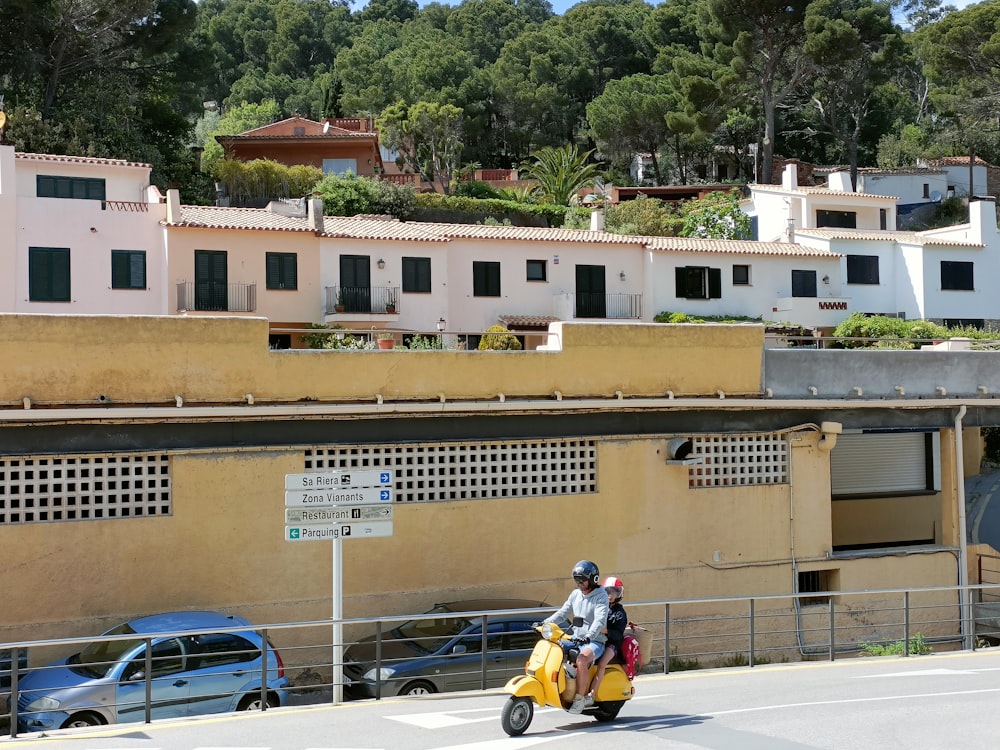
577	622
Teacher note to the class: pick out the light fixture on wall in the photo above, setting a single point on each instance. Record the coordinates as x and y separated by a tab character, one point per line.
621	275
826	279
381	263
94	230
440	324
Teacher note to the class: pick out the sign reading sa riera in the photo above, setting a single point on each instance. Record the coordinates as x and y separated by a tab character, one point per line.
315	504
328	480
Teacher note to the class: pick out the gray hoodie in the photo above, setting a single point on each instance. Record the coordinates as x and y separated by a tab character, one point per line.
592	607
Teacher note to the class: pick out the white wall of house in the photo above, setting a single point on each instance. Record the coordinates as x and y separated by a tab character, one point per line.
906	185
91	230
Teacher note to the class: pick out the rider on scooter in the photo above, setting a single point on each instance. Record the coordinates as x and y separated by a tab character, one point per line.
590	601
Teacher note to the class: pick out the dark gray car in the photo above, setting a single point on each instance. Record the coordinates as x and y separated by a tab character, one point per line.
444	654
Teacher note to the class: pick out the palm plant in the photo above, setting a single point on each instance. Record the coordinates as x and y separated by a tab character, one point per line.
561	172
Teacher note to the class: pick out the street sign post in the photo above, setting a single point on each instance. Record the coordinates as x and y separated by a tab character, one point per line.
338	531
341	496
338	505
306	516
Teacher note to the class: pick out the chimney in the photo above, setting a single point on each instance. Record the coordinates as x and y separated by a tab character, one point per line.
983	220
790	178
790	231
315	213
173	206
597	220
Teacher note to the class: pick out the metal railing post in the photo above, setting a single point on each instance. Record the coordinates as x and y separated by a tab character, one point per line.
832	638
148	678
15	656
666	638
906	623
263	670
753	630
483	661
378	660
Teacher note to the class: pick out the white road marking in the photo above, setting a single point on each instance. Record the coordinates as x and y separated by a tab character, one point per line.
915	673
507	743
848	700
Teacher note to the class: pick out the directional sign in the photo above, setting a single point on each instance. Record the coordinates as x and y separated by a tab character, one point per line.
326	516
362	530
338	479
319	498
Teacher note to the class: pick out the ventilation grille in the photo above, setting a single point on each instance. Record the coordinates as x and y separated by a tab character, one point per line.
471	471
84	488
737	460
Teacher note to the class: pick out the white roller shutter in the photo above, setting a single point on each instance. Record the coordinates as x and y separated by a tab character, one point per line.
873	463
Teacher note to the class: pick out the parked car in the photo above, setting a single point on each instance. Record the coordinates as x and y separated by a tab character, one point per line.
199	673
445	653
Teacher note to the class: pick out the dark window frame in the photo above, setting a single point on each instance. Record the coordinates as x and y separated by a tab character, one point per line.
743	279
416	275
486	278
804	283
81	188
535	270
281	270
49	274
697	282
862	269
123	273
958	276
838	219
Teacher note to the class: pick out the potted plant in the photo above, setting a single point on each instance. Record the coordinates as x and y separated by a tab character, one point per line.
386	340
339	307
390	304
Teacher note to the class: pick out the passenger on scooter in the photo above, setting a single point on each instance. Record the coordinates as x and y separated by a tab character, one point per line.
617	623
589	601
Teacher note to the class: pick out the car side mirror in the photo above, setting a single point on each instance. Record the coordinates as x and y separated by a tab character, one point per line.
136	677
459	648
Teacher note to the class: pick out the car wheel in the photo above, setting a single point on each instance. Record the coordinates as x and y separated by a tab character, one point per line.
86	719
516	715
252	702
420	687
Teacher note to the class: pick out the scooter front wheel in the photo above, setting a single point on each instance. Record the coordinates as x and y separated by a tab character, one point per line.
516	716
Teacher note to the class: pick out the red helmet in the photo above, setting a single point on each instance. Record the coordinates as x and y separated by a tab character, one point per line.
614	584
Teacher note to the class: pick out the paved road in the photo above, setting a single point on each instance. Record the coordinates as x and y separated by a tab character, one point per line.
935	702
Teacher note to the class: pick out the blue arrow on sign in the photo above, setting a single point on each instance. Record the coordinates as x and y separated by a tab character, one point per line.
384	477
385	496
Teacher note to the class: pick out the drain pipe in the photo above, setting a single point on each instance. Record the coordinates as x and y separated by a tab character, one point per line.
968	627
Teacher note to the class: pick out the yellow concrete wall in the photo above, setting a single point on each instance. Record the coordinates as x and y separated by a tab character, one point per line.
136	359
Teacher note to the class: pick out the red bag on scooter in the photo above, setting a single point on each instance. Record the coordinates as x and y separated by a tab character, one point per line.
631	656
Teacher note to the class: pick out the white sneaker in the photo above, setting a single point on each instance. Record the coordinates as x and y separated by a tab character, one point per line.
578	703
588	701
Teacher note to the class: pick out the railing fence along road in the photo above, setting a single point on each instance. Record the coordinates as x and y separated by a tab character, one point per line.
682	634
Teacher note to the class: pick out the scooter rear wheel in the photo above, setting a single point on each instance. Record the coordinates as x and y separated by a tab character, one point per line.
608	710
516	716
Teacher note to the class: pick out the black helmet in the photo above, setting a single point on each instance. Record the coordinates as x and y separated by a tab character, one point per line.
585	570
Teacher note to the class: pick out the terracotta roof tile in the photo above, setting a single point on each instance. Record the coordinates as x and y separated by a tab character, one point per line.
368	228
823	191
527	321
218	217
81	160
916	238
530	234
735	247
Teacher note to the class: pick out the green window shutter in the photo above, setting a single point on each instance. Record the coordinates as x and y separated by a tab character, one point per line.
290	271
273	271
680	282
714	283
137	270
48	274
120	269
60	276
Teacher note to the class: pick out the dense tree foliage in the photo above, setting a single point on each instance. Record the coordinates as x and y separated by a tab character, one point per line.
830	81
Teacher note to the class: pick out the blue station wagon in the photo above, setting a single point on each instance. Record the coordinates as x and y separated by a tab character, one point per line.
191	674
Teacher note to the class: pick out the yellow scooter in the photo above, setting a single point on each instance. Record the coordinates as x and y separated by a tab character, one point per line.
547	683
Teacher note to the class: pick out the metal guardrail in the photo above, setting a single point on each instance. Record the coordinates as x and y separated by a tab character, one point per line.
730	631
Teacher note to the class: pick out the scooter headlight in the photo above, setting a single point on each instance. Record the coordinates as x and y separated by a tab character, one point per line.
547	631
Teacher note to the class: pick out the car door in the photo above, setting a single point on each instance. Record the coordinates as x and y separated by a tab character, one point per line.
463	670
221	667
519	640
169	688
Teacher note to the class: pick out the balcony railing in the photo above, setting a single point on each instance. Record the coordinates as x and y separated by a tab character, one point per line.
210	296
367	300
617	306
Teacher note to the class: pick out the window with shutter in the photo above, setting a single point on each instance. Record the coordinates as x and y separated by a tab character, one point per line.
84	188
803	283
128	269
48	274
416	274
282	270
862	269
485	278
698	282
957	275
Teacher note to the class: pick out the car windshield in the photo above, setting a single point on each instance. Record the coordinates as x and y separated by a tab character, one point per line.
97	659
433	634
